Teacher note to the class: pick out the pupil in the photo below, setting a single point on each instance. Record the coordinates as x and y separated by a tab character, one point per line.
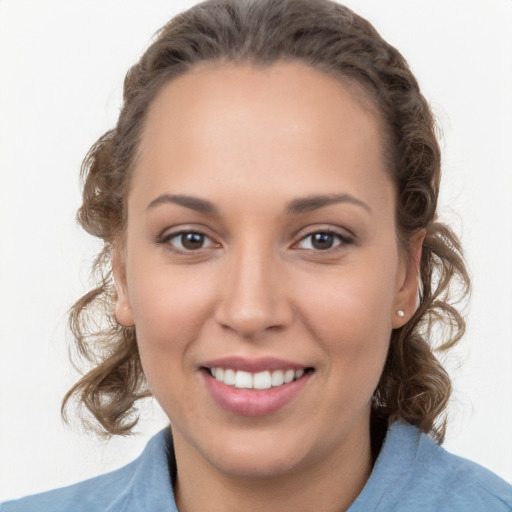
322	241
192	240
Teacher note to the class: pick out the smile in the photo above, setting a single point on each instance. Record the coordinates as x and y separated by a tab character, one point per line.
261	380
255	387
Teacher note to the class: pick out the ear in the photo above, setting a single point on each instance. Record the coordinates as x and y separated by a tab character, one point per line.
123	311
407	295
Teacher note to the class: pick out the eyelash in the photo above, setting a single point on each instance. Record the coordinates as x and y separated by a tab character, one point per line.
167	238
343	240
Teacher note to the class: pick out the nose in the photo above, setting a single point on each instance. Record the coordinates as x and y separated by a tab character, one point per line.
253	297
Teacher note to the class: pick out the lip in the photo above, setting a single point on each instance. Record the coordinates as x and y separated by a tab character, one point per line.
254	402
253	365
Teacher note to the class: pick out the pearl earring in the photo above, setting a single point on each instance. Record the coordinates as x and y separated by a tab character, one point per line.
400	313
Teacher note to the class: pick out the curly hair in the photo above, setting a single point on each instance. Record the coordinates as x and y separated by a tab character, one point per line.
329	37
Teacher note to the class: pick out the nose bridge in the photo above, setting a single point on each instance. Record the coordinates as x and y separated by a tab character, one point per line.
252	298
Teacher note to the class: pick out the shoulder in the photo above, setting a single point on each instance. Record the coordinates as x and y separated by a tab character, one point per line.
413	473
144	484
91	495
460	481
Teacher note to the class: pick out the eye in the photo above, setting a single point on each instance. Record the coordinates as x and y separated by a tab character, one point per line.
323	241
187	241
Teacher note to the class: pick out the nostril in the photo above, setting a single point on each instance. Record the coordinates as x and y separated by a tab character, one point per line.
251	320
251	302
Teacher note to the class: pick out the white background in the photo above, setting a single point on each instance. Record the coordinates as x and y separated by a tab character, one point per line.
61	69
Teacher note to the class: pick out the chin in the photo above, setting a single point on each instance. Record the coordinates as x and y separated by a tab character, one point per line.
257	464
258	454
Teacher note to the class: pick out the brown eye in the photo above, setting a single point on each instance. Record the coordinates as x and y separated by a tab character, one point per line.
323	241
192	241
188	241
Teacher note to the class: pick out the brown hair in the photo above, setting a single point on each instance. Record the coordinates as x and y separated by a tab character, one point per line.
327	36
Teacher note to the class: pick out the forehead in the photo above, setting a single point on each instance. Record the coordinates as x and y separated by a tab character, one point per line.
254	126
234	92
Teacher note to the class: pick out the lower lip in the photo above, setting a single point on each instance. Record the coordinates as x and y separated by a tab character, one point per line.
254	402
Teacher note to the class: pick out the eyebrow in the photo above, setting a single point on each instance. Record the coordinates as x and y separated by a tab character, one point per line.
294	207
315	202
194	203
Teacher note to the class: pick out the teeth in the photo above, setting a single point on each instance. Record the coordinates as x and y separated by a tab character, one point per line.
261	380
243	380
229	377
278	378
289	375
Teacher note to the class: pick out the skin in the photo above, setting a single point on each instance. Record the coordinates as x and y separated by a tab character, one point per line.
250	141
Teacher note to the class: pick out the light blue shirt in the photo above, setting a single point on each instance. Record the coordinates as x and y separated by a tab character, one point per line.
412	473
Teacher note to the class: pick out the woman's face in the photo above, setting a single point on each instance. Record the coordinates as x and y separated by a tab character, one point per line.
261	247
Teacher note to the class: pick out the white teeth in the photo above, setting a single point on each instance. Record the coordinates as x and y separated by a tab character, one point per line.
278	378
229	377
243	380
260	380
289	375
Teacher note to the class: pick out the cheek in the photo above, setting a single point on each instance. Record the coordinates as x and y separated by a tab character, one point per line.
169	308
352	305
350	318
167	298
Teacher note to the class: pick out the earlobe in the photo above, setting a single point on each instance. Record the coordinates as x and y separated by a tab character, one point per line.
123	314
122	311
405	303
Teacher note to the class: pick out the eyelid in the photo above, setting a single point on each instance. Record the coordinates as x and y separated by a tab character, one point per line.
345	237
168	234
342	235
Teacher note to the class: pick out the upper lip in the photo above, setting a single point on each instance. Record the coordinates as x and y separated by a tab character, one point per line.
253	365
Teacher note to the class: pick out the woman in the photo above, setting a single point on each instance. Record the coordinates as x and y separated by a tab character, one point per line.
267	203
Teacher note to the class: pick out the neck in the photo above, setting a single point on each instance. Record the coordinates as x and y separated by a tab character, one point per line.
330	484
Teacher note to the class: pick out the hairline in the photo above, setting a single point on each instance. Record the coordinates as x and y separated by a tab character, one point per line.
359	91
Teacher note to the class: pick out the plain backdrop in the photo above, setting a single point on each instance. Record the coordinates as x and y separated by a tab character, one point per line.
62	63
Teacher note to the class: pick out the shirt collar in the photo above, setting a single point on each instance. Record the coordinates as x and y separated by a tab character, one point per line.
150	487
